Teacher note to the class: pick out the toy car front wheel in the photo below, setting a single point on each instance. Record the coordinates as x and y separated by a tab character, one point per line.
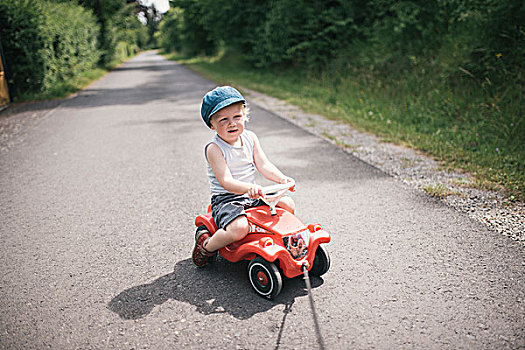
265	278
199	229
321	262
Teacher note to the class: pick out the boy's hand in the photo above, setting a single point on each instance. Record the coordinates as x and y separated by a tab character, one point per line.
255	191
285	180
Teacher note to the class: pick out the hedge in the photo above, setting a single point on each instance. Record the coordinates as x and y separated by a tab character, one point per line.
45	43
379	34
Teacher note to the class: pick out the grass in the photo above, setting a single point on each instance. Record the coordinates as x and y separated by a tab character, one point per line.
438	190
74	84
340	143
470	125
66	88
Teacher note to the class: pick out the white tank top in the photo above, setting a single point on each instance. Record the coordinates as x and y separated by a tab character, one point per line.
238	159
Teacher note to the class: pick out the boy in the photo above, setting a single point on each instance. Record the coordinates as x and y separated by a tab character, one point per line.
232	157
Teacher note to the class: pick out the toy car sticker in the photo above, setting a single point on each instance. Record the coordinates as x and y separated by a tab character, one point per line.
256	229
297	244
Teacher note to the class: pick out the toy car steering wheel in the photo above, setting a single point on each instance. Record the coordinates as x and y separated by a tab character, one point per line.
273	193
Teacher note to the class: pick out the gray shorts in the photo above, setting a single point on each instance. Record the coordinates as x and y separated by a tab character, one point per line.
229	206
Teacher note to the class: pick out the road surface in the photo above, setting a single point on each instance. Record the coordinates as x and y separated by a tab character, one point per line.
97	205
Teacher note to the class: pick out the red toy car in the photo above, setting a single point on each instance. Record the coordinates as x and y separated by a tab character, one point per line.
277	242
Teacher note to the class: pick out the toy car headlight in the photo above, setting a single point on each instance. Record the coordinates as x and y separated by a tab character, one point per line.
297	244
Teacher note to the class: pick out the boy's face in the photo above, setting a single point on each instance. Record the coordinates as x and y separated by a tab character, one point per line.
229	122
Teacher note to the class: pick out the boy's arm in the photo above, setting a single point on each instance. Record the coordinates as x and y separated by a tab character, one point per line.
224	176
263	164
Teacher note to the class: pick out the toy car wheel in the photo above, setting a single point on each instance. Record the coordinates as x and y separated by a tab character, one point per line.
321	262
265	278
199	229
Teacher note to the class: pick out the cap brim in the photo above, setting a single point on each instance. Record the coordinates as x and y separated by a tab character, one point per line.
226	103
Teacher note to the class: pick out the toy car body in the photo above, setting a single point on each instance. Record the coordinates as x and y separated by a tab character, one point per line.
276	242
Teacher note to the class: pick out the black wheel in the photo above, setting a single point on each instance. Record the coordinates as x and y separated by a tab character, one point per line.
200	228
321	262
265	278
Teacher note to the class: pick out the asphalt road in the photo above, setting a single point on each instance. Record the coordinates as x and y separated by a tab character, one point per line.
97	206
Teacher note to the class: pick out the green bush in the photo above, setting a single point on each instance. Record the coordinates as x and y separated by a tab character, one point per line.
170	31
197	34
128	34
70	36
46	42
23	44
313	36
383	35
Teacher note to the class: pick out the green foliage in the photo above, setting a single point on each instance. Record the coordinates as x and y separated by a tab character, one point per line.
48	42
152	24
104	12
70	36
120	30
383	35
22	42
130	34
41	48
268	32
170	32
191	29
312	36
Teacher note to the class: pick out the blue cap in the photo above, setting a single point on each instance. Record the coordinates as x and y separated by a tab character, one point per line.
217	99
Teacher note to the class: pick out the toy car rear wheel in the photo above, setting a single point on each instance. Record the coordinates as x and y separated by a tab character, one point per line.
265	278
321	262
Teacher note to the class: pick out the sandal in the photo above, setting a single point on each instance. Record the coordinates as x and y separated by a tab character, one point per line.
200	255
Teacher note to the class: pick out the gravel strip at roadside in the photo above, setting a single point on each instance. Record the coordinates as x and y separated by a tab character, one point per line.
411	167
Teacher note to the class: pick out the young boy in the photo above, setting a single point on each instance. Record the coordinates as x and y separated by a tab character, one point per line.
233	156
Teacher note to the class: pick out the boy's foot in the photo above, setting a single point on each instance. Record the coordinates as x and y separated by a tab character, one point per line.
200	255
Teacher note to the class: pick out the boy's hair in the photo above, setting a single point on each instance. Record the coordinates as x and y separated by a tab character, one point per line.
217	99
246	113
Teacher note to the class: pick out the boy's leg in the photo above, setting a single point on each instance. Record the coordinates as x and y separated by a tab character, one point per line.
234	231
287	203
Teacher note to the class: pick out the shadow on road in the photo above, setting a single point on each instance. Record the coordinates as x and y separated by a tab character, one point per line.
219	288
